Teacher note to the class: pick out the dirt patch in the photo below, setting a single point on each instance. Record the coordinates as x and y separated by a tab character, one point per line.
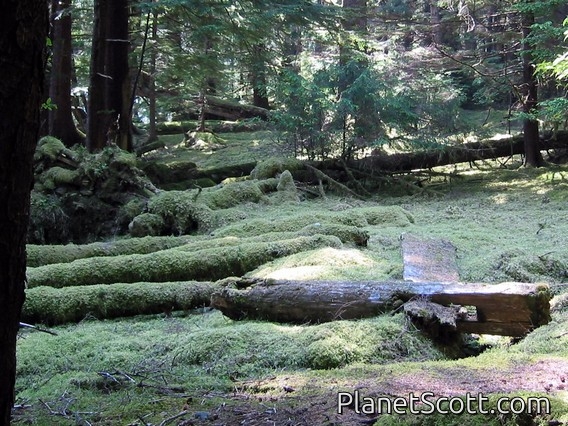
276	401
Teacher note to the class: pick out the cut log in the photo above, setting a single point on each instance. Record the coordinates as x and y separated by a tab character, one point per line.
511	309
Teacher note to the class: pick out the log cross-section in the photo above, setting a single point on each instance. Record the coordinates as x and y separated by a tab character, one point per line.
511	309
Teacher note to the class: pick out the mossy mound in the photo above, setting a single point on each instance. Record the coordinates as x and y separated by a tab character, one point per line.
521	266
180	212
48	149
251	347
58	176
146	224
91	190
173	265
271	168
356	217
232	194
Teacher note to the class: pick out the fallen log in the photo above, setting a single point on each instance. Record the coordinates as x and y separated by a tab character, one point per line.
173	264
451	154
54	306
511	309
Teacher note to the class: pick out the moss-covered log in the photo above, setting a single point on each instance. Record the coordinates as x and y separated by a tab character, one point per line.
173	265
511	309
52	306
451	154
39	255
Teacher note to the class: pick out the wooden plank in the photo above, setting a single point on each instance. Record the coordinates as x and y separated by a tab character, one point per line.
428	259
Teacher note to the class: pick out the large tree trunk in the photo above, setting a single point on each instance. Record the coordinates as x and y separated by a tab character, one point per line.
511	309
529	92
61	124
23	32
109	88
259	81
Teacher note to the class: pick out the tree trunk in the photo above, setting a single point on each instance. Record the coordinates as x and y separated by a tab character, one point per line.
511	309
61	124
529	91
152	132
258	77
109	89
23	32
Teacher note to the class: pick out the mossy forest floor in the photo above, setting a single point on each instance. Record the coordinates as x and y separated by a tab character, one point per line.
196	367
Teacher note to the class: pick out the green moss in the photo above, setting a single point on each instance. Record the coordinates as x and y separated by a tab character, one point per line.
48	147
147	224
180	212
57	176
254	346
48	220
231	195
39	255
173	265
49	305
270	168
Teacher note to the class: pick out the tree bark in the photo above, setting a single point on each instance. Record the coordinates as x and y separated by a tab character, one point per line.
109	88
529	91
60	119
511	309
23	32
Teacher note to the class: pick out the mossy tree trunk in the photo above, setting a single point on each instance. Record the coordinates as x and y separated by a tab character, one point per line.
23	32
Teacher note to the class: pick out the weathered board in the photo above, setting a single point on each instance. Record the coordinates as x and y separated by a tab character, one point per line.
428	259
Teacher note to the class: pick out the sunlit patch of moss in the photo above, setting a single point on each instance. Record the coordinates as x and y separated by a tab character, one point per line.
329	263
254	346
173	265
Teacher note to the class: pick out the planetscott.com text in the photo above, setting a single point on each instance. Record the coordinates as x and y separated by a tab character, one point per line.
428	403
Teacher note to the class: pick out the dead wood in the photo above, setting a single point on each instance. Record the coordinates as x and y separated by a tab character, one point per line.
511	309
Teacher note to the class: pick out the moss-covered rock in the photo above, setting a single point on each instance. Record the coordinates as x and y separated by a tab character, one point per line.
58	176
180	212
147	224
173	265
274	166
48	147
231	195
286	189
72	304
